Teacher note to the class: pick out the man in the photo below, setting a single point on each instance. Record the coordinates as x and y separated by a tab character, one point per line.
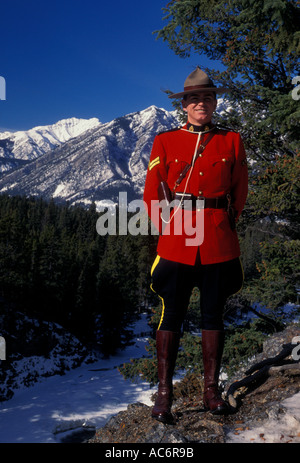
204	169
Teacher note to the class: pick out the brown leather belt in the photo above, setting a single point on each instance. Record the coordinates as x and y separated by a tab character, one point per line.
190	201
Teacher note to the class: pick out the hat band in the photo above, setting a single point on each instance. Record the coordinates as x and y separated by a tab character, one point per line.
195	87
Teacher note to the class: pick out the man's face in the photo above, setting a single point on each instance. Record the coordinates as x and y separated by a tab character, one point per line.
200	107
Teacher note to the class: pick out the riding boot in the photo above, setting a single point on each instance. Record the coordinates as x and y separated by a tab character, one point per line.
212	350
167	343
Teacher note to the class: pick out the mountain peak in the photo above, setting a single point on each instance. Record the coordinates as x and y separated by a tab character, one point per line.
33	143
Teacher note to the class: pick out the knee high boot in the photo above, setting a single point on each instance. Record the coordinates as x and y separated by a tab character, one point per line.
212	349
167	343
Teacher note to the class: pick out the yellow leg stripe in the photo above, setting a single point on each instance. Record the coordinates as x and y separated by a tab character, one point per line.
163	311
155	263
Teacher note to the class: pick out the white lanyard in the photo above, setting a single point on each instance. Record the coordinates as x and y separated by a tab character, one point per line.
187	181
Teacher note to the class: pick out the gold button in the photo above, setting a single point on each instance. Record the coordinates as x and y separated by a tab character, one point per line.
224	160
176	160
200	192
200	155
201	173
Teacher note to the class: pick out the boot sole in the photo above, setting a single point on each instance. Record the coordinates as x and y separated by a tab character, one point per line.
169	419
218	411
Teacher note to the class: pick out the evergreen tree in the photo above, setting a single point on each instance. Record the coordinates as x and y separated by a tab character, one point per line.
117	289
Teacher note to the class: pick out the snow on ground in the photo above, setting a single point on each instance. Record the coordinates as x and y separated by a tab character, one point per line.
83	398
277	429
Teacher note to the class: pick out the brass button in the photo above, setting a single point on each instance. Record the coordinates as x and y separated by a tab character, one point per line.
176	160
224	160
200	192
201	173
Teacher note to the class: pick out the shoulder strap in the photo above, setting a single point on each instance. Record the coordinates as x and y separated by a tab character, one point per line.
203	145
188	166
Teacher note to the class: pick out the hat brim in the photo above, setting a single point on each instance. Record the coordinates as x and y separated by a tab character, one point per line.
197	90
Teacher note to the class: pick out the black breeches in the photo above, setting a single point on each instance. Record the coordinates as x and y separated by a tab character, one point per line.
173	282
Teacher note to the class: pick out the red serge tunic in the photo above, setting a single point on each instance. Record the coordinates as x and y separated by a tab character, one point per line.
220	170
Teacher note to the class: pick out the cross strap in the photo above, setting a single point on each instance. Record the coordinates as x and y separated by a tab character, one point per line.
200	150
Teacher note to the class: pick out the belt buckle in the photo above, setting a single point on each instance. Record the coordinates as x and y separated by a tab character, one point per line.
185	200
200	202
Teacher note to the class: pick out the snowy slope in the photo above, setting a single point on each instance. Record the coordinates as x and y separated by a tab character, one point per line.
33	143
82	399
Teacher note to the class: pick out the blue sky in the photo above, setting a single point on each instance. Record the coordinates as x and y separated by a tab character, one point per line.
85	58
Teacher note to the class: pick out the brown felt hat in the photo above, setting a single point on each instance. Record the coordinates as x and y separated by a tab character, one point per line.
198	81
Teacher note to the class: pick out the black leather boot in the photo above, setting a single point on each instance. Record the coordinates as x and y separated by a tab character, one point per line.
167	343
212	349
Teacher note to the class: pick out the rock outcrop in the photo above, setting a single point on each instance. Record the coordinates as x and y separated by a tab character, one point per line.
265	410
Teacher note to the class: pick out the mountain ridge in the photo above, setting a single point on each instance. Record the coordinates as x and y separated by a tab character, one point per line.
20	147
96	164
52	134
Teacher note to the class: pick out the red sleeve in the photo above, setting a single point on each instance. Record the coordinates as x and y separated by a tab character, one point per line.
156	173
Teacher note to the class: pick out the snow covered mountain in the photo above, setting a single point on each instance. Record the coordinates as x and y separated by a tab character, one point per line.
95	165
18	147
